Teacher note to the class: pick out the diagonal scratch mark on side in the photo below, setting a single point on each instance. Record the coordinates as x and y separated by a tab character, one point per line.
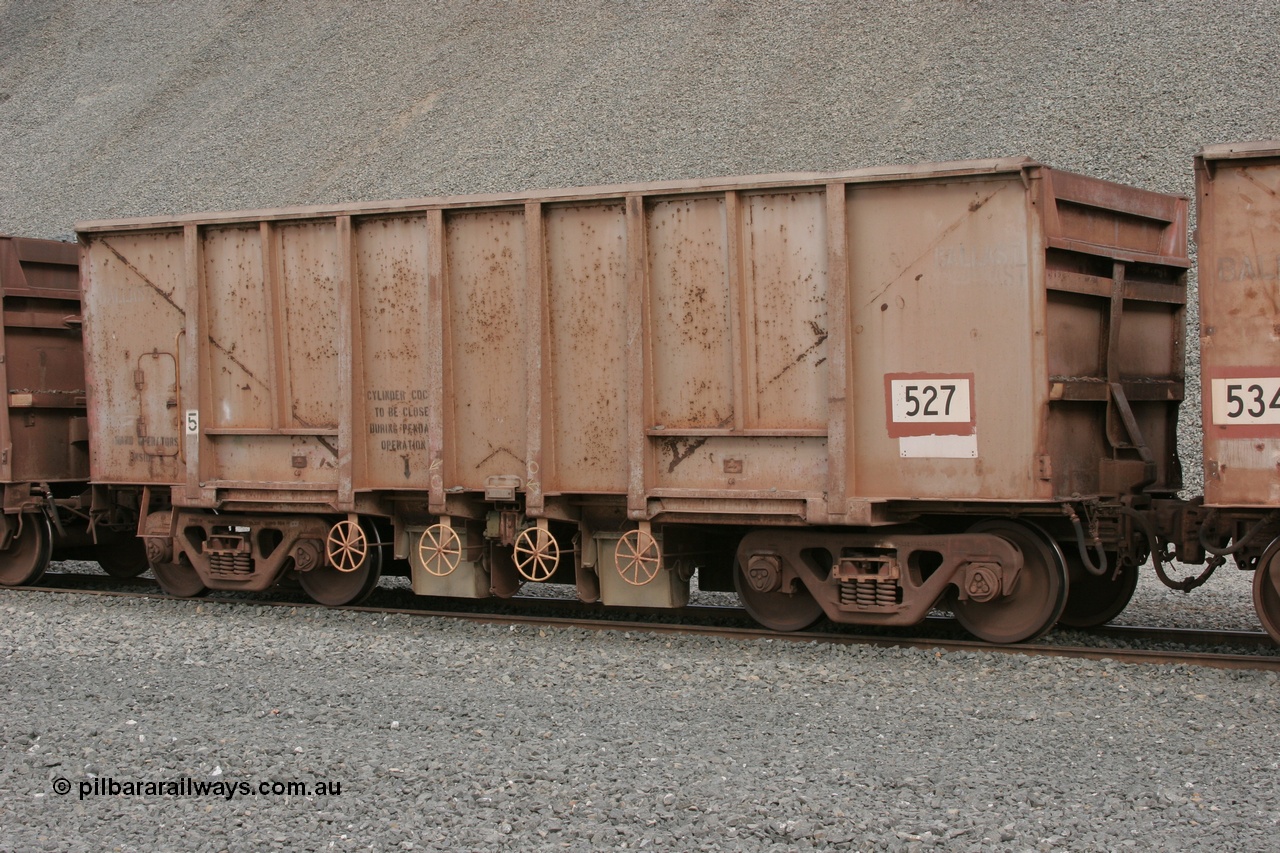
801	357
679	452
167	298
946	232
148	282
495	453
238	363
1244	173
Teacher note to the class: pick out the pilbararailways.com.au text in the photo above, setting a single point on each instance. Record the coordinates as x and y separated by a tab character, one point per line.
107	786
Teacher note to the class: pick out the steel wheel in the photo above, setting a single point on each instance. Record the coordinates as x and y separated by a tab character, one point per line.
1266	590
1093	600
125	557
637	558
440	550
179	579
27	556
1038	596
351	571
779	610
537	554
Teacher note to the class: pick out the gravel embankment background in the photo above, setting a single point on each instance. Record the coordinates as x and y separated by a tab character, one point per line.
452	737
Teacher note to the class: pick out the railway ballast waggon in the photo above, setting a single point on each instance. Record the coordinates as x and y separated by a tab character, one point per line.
1238	237
44	435
860	395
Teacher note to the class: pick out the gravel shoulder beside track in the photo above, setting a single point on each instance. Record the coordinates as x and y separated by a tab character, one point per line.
453	736
1224	603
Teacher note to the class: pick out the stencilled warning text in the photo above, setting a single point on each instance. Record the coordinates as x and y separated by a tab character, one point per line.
398	416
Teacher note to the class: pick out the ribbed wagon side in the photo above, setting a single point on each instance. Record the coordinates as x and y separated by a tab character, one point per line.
44	437
830	392
1238	243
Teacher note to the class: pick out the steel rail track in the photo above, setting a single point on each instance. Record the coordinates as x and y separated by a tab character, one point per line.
525	612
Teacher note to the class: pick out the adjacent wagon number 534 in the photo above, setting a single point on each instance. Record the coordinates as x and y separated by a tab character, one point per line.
1245	400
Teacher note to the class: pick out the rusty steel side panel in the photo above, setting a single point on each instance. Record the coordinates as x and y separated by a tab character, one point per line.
689	327
43	434
246	391
270	350
486	320
784	267
737	341
586	255
947	370
134	294
309	274
239	314
1238	237
740	463
393	263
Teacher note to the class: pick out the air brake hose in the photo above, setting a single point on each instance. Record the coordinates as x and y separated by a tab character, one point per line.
1089	566
1249	536
51	509
1159	557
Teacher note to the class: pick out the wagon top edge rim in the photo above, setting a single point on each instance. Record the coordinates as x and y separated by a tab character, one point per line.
1240	150
909	172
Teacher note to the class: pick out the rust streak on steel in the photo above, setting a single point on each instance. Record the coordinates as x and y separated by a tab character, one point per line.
799	358
681	448
497	452
237	362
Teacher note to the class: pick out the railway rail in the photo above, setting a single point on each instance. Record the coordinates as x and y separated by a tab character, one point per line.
1240	650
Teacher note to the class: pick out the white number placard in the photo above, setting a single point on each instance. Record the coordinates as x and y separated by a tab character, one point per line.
193	421
1245	401
919	401
924	407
